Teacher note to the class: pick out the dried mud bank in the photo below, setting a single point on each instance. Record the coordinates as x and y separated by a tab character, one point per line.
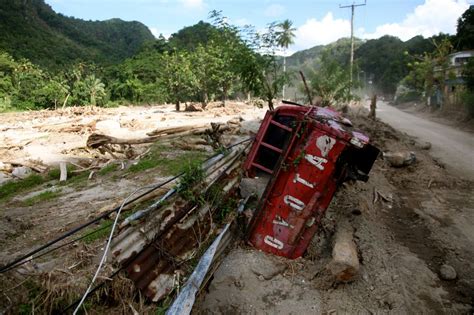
35	215
408	223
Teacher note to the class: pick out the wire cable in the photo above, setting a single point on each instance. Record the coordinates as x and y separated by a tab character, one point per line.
106	249
28	256
59	246
121	268
77	229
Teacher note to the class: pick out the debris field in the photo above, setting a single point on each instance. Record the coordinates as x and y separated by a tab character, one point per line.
400	242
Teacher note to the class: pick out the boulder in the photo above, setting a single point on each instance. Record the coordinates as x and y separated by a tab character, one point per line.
423	145
447	272
400	158
21	172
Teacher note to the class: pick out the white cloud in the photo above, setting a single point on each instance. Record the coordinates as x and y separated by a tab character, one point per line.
321	32
274	10
157	32
429	18
193	4
154	31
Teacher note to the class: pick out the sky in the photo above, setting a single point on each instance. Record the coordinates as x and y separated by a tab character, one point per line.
317	22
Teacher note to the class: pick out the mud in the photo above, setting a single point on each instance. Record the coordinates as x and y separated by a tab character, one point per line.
403	240
424	221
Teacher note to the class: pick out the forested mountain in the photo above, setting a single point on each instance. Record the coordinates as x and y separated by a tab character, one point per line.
190	37
383	61
339	49
31	29
49	60
301	57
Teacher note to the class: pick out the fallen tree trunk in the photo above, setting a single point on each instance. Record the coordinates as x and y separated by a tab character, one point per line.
345	262
174	130
96	140
37	167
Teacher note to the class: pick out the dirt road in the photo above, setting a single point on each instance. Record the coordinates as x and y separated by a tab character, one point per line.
452	147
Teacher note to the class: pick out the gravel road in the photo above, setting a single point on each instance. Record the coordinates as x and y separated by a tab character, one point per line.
453	147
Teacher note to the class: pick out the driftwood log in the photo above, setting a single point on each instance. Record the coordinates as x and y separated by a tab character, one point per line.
97	140
175	130
34	165
212	131
345	261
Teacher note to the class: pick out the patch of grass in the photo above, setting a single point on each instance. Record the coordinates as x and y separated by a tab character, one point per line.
44	196
108	169
143	165
228	206
53	174
168	165
72	178
178	164
76	178
152	159
103	230
13	187
190	182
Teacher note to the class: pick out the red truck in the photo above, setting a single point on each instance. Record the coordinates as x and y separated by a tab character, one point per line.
307	152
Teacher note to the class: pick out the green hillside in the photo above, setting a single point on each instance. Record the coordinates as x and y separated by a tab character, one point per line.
303	56
382	61
31	29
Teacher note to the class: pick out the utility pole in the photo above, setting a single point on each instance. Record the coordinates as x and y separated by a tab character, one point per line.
352	6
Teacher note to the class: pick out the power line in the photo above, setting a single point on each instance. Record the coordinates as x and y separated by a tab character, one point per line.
32	254
352	6
57	247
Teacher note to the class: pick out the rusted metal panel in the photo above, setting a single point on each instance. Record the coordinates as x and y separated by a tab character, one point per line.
154	250
184	302
313	159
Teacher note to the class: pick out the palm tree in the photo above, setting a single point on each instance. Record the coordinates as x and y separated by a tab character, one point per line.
285	39
95	88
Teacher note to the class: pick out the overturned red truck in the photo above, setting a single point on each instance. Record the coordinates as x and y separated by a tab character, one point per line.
308	152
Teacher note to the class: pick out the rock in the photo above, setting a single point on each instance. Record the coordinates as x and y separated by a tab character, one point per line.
21	171
249	186
345	262
194	107
265	266
400	159
423	145
447	272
